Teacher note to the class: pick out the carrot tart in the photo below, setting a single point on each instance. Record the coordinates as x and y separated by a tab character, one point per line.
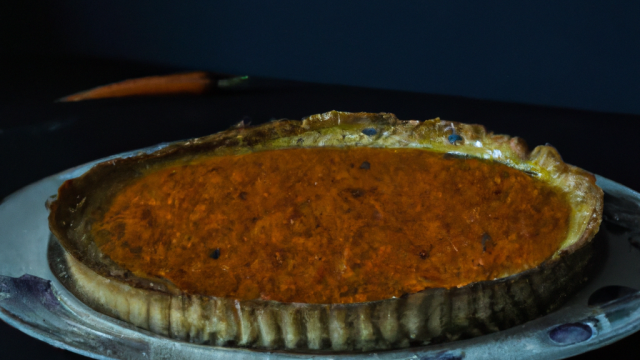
340	232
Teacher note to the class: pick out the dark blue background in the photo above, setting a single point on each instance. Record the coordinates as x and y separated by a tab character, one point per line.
574	54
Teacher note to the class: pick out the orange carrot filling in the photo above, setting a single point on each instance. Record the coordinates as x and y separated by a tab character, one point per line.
327	225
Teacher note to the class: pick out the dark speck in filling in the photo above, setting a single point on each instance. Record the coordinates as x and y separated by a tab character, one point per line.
215	254
486	242
136	250
425	254
349	292
365	165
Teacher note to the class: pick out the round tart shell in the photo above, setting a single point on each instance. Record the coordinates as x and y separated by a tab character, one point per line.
431	316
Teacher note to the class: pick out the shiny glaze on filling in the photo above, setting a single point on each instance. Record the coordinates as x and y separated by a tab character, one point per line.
328	225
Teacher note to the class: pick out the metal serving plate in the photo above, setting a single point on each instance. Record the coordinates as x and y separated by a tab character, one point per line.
33	301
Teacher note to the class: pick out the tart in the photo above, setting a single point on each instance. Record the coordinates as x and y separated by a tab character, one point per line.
340	232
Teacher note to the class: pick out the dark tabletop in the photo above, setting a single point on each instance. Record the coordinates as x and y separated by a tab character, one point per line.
39	137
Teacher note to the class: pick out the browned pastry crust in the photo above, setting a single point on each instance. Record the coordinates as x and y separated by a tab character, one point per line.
429	316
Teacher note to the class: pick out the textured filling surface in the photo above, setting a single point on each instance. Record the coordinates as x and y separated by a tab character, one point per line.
328	225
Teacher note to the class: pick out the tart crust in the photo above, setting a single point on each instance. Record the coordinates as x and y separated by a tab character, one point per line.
430	316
